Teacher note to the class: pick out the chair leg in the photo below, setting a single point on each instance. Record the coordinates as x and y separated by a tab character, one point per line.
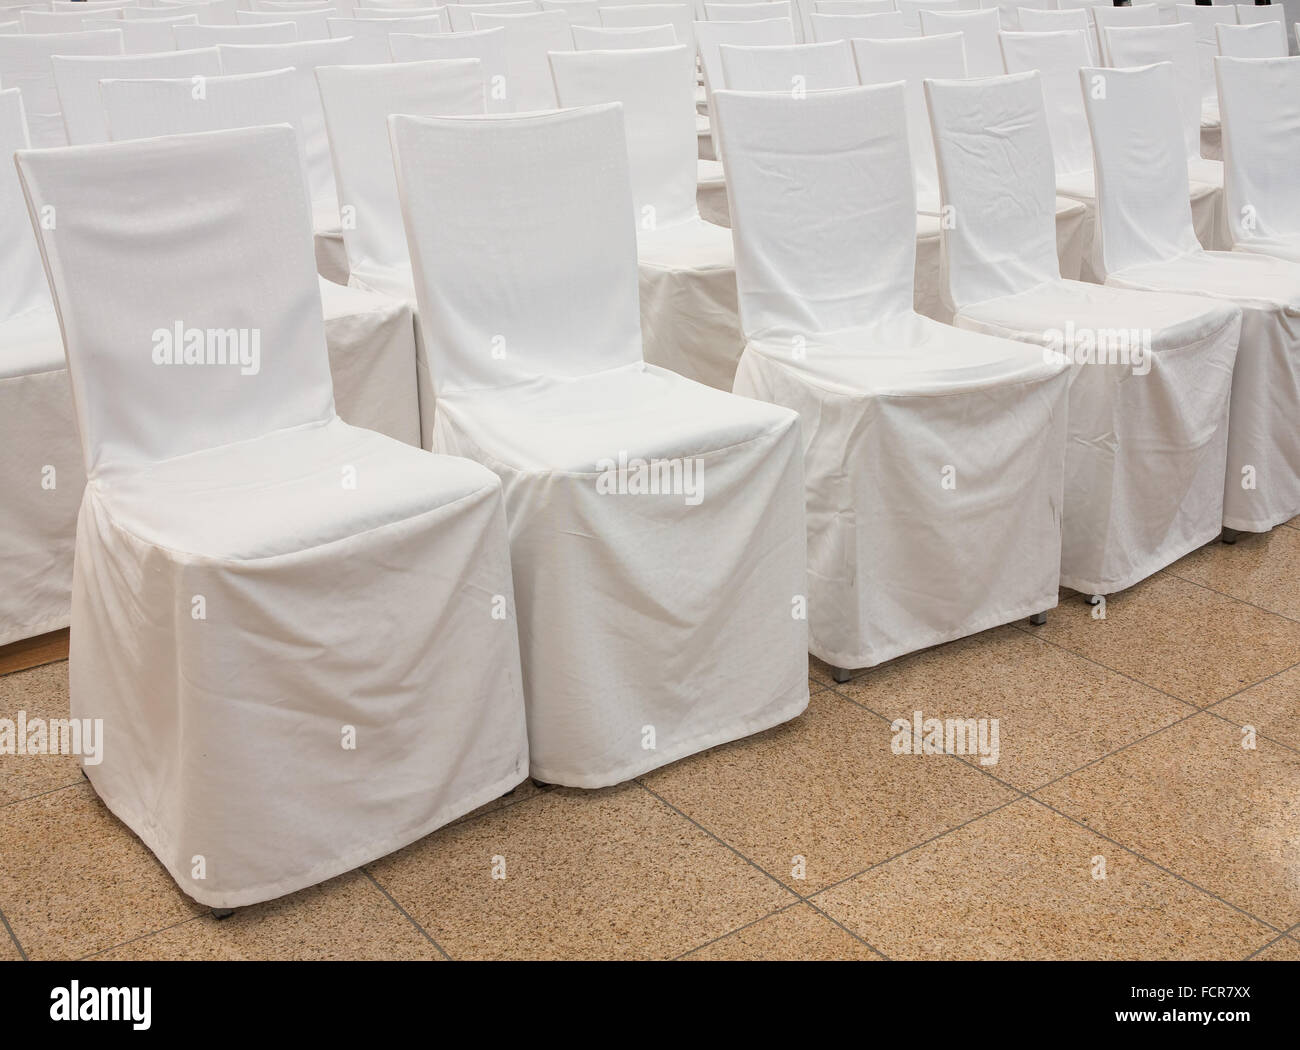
539	783
222	913
1038	619
841	674
1229	536
1094	599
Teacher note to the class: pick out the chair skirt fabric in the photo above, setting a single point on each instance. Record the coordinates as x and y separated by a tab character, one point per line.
646	634
279	708
933	461
711	194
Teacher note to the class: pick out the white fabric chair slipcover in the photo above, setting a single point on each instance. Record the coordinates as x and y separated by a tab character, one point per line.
789	67
578	12
304	56
650	628
979	30
25	64
210	13
380	27
729	11
370	337
189	37
892	403
1256	40
486	45
462	15
852	7
1033	20
1010	10
1253	14
144	36
1104	15
686	267
1147	242
1151	374
679	16
1204	19
709	36
62	21
310	25
1260	102
529	38
911	10
599	38
41	474
77	79
240	608
887	26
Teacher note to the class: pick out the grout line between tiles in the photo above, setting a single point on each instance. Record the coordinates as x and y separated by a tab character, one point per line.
22	954
1234	597
407	915
723	936
132	940
42	794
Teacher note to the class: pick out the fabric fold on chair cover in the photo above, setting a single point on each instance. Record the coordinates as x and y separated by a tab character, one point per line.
285	623
1150	375
658	605
933	457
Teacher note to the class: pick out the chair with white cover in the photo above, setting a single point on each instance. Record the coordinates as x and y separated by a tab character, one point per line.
1147	242
232	523
657	525
1048	20
933	456
1255	14
578	12
357	101
1175	43
486	45
210	12
1151	374
25	64
887	26
304	56
63	21
789	67
310	25
462	15
686	266
979	30
41	473
911	10
529	38
852	7
1260	100
709	36
77	78
211	36
377	29
1256	40
1009	10
1204	18
370	337
679	16
144	36
727	11
1104	15
600	38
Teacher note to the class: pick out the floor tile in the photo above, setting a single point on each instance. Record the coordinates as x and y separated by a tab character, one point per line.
820	671
74	880
1055	711
41	692
1019	884
1263	569
8	950
1286	949
826	788
800	932
1194	800
1294	522
1178	637
588	874
1272	707
345	918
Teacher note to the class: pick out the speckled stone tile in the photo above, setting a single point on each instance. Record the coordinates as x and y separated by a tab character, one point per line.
1286	949
41	692
1272	707
1294	522
8	950
799	933
1260	568
1055	711
526	790
75	880
820	671
1193	799
1019	884
826	788
345	918
1178	637
588	874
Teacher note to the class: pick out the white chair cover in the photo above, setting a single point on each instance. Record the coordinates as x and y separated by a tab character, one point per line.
852	7
634	609
979	30
887	26
1034	20
730	11
679	16
598	38
77	79
578	12
789	67
371	337
144	36
1151	374
686	267
1255	40
192	36
1147	242
911	10
25	64
486	45
529	38
1105	15
891	402
462	15
1204	20
1260	103
40	459
310	25
210	12
219	541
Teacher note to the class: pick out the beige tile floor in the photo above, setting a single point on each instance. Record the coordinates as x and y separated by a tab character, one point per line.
1121	754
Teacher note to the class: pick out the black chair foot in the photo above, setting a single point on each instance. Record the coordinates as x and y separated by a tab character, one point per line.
1229	536
1094	599
222	913
1038	619
841	674
540	783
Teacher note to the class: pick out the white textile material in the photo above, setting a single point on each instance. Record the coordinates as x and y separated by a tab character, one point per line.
933	457
979	30
256	581
1146	242
25	64
1150	374
667	611
487	45
529	38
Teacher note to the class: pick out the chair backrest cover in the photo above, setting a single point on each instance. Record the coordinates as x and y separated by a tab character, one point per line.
144	36
1057	57
487	45
521	271
887	26
679	16
462	15
173	346
187	36
1253	40
529	39
22	281
602	38
1106	15
311	25
789	67
712	35
1145	45
979	31
1203	19
822	207
25	64
1144	211
995	168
